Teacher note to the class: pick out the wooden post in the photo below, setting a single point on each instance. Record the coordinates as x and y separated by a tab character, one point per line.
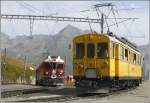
149	73
149	84
65	59
4	67
25	69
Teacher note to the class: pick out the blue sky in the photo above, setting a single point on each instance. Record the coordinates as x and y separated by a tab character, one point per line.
131	29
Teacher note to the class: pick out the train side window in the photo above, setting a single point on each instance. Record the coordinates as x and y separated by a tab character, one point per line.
142	60
112	49
121	53
132	57
102	50
79	50
126	55
139	59
129	56
90	50
134	60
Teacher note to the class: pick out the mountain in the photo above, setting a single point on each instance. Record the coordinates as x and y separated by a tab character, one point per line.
5	40
37	48
69	31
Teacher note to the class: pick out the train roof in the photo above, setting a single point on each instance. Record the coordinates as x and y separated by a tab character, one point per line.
123	41
54	59
115	38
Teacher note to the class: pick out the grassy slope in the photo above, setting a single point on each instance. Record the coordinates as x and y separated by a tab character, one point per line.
14	70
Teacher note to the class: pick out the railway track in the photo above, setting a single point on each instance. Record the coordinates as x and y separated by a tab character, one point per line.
61	98
64	98
21	92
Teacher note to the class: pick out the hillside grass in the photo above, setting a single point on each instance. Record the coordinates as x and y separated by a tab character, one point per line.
13	70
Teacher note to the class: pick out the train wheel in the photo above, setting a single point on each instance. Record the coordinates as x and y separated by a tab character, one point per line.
137	83
94	85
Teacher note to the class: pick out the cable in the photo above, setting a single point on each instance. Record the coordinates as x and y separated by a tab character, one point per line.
118	23
12	27
32	7
26	7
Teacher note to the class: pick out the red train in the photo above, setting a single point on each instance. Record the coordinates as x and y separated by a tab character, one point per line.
51	72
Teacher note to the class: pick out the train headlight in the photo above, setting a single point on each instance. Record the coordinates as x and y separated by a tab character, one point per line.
61	72
81	66
46	73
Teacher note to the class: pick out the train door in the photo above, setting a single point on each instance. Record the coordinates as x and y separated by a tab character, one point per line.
90	71
116	57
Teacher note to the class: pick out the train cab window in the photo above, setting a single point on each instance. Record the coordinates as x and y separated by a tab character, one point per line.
121	53
53	65
45	65
60	66
102	50
134	60
126	55
90	50
79	50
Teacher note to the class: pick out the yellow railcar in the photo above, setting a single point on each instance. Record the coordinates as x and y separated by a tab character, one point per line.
105	61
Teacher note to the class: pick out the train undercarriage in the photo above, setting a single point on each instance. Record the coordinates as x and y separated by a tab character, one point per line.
47	81
105	84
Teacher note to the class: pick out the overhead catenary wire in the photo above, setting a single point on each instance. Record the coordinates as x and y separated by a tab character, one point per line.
128	31
34	10
90	26
29	7
97	6
106	17
38	12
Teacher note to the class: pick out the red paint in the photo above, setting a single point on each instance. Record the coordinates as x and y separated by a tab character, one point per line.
58	72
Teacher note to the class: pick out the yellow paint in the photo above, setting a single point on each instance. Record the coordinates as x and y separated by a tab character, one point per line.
109	67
